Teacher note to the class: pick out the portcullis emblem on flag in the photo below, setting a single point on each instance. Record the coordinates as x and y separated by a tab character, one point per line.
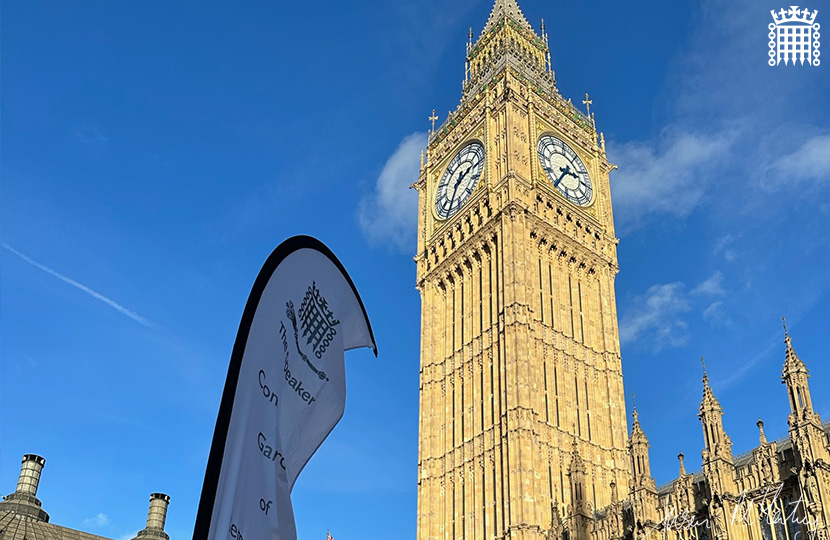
285	391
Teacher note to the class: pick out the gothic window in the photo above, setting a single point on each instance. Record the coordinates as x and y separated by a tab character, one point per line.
556	392
578	423
541	293
588	409
571	298
581	318
778	520
550	283
547	405
789	509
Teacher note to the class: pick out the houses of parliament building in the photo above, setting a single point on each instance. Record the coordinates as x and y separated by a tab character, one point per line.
523	427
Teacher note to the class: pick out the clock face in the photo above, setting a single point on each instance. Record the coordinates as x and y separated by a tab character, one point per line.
459	180
564	168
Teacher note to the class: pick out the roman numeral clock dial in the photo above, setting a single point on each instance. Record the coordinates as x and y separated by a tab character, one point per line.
459	180
565	170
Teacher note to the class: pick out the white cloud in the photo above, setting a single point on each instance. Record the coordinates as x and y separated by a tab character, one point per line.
713	286
715	312
98	296
810	162
665	176
656	320
723	247
91	135
99	520
389	215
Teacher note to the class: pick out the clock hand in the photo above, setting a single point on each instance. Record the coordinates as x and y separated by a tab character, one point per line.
458	183
565	170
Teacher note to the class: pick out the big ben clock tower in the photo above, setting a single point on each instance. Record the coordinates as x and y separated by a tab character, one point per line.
522	416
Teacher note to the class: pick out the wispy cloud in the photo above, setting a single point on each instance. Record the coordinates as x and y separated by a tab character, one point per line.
712	286
810	162
664	176
724	246
389	214
89	134
714	313
98	296
657	317
98	520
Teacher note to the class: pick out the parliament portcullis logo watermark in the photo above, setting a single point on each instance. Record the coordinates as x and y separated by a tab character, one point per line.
793	37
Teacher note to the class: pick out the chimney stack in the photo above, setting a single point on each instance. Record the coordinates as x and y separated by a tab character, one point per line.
158	511
30	474
24	500
156	516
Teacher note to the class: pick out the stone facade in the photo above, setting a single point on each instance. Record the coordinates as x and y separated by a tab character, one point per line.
23	518
523	430
777	491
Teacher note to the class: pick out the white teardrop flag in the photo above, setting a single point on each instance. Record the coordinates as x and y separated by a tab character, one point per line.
285	391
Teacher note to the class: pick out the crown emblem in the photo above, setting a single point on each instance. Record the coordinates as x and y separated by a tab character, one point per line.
794	16
794	37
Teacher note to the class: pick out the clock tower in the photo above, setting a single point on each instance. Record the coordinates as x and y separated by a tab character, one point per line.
522	416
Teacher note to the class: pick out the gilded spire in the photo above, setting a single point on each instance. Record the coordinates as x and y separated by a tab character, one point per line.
506	9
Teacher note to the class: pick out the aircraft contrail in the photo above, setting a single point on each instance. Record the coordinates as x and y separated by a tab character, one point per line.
98	296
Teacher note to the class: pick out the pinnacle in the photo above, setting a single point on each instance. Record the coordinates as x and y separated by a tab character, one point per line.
762	436
634	407
787	340
637	433
792	362
503	9
709	401
577	464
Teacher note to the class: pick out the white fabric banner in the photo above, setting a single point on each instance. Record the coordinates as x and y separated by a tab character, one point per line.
285	392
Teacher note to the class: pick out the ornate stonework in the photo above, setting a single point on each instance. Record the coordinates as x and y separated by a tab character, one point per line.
523	431
523	425
777	491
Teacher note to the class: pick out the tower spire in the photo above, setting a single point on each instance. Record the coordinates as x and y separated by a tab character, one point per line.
791	358
806	426
709	402
643	488
638	451
711	416
795	375
503	9
634	409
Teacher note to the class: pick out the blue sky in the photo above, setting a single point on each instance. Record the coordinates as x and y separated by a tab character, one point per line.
154	153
